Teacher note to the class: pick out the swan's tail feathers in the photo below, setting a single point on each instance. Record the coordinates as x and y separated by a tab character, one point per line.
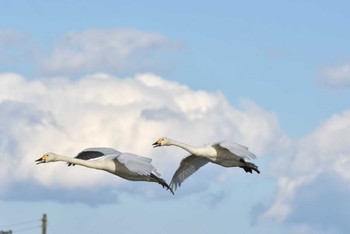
249	167
162	183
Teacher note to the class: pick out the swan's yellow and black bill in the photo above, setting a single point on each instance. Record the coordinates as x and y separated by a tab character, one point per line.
156	144
41	160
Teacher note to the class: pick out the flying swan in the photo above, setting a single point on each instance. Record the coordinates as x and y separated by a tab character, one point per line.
226	154
125	165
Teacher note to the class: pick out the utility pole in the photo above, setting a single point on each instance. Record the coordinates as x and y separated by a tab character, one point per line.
44	220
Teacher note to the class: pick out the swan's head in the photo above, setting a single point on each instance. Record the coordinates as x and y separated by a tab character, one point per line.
48	157
161	142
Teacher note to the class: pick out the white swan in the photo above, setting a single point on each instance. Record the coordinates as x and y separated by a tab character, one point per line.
126	165
226	154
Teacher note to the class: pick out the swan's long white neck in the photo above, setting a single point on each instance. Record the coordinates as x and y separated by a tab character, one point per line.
81	162
189	148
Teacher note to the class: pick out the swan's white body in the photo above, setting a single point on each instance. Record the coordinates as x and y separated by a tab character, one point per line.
126	165
225	154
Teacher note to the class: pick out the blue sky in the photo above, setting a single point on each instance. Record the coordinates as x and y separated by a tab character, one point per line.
272	75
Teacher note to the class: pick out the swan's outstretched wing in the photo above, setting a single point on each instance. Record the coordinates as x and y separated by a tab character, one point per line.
237	149
188	166
137	164
94	153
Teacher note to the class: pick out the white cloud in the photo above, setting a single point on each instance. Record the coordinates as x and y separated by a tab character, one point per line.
336	77
66	116
110	50
316	171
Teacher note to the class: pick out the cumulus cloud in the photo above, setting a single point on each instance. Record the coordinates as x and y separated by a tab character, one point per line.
110	50
336	77
66	116
313	180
